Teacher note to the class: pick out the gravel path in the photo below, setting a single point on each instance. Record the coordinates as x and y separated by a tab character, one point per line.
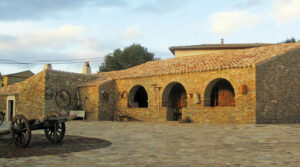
160	144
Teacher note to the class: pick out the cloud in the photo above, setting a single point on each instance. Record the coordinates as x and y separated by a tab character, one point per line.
286	10
246	4
65	42
224	23
132	32
49	38
37	9
160	6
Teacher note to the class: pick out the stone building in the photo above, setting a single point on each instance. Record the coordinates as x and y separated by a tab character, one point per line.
9	79
227	83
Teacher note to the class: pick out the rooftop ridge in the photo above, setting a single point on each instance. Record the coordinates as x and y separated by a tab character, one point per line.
240	58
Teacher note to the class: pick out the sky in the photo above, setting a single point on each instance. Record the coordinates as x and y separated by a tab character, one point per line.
68	32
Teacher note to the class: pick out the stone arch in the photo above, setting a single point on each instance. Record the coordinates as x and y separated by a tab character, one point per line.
174	98
219	92
137	97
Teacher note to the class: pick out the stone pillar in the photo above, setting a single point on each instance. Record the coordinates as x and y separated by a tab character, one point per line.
48	67
87	69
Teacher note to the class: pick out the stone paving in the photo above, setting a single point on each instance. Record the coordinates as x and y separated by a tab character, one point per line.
170	144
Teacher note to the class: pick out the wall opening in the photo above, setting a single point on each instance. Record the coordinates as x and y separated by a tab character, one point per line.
137	97
219	92
174	98
10	109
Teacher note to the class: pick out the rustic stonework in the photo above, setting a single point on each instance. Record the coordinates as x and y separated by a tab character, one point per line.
3	103
31	98
278	89
59	81
263	88
194	83
32	101
89	100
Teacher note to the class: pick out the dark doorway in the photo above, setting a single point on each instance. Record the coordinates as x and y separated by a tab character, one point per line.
10	109
138	97
222	94
176	100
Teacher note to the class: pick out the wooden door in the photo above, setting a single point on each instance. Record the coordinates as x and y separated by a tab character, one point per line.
226	98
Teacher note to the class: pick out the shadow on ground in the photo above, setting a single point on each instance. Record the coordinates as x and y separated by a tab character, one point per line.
40	146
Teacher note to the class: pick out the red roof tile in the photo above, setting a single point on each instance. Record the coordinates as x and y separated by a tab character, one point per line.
213	61
10	89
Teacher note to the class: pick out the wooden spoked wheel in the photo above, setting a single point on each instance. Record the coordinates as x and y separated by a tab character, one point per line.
20	131
55	133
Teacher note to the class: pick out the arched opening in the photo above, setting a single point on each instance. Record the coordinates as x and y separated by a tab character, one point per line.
174	98
138	97
219	92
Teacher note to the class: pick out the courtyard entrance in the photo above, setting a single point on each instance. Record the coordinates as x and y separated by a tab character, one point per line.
138	97
174	98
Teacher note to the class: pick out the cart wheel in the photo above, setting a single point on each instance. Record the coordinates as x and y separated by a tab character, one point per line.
1	118
20	131
56	133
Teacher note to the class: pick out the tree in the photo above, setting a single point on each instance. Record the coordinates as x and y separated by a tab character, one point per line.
289	40
122	59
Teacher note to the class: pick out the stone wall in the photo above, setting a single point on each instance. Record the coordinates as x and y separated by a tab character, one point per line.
89	100
278	89
98	100
58	82
3	104
41	94
195	85
107	100
31	98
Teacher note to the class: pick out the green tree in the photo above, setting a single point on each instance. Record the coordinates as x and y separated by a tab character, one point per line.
122	59
289	40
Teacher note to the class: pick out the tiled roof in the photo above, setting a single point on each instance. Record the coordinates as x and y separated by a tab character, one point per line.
98	81
218	46
213	61
27	73
10	89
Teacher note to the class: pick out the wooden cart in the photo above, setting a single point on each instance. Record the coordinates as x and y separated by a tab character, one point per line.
20	129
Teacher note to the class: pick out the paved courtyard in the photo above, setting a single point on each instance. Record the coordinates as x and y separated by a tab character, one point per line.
160	144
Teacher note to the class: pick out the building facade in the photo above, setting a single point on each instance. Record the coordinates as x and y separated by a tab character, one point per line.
244	83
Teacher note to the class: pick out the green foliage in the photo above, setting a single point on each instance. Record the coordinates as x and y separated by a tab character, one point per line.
129	57
289	40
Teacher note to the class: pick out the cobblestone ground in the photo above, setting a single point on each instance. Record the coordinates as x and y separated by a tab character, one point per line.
167	144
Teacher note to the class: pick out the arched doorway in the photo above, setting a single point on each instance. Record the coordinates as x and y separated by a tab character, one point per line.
219	92
174	98
138	97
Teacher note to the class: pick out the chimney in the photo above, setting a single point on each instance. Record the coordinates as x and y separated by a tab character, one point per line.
86	68
47	67
222	41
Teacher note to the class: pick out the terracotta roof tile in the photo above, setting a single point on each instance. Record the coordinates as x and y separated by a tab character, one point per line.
95	82
218	46
10	89
214	61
